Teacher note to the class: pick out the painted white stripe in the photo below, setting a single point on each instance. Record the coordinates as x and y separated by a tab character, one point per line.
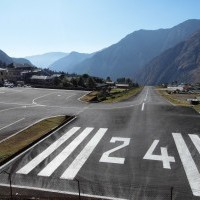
16	157
38	159
196	140
11	124
33	102
70	96
142	107
62	192
80	160
146	95
58	160
189	165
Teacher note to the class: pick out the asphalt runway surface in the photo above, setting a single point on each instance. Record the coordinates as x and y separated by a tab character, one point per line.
144	148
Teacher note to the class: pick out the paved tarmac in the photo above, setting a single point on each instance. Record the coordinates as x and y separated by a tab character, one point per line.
144	148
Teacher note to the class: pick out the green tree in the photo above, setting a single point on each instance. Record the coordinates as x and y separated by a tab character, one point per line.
85	76
57	81
74	82
66	83
108	79
81	82
91	83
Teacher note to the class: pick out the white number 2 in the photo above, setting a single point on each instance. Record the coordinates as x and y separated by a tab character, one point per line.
164	157
105	157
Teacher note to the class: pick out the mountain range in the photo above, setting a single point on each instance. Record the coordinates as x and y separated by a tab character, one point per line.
180	63
69	62
148	56
8	60
45	60
128	56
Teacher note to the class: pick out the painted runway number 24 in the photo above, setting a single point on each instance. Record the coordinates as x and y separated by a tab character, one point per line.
106	158
164	157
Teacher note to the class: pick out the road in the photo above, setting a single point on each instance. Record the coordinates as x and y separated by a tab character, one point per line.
137	149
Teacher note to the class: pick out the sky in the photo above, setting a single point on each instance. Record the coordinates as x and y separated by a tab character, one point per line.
31	27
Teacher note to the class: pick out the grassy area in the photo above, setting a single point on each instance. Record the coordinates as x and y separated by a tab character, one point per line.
115	95
122	95
116	90
177	100
28	136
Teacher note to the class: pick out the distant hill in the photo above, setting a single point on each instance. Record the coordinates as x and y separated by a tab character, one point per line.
8	60
180	63
127	56
21	61
68	62
5	58
45	60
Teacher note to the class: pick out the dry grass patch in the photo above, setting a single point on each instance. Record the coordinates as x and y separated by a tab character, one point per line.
89	97
25	138
180	99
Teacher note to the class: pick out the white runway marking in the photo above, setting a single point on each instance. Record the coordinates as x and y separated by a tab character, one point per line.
33	102
70	96
76	165
196	140
117	160
142	106
58	160
37	160
164	157
11	124
146	95
189	165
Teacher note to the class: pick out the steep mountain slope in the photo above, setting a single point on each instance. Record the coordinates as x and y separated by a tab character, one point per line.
5	58
46	59
67	63
181	63
134	51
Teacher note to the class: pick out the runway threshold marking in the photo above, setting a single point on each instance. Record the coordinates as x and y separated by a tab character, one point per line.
189	165
11	124
58	160
77	164
38	159
196	140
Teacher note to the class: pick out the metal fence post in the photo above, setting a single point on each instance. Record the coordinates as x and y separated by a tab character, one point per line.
171	189
10	181
79	190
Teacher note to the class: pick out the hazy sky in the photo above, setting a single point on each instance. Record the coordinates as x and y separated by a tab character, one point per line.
30	27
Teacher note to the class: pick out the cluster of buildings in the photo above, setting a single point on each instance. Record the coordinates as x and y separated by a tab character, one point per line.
24	74
184	88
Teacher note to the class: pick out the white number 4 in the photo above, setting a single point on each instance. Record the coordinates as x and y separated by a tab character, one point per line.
164	157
